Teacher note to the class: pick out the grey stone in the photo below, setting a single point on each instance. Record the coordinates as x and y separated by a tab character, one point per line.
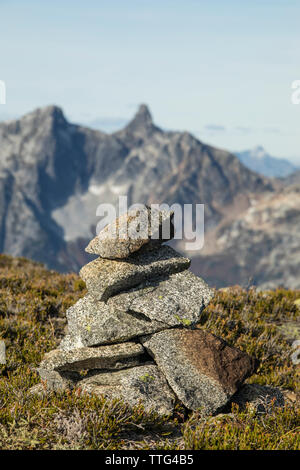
2	352
129	232
115	356
93	323
177	300
105	278
39	390
202	369
144	384
70	342
58	381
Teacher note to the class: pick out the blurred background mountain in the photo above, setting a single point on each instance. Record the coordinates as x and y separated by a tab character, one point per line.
257	159
53	175
220	72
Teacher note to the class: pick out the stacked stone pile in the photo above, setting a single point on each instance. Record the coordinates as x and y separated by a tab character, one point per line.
135	333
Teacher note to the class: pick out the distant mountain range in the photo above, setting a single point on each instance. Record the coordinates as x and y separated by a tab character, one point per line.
54	174
258	160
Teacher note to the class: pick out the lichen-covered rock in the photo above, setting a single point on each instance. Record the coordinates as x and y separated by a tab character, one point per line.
115	356
143	384
70	342
129	232
201	368
177	300
105	278
93	323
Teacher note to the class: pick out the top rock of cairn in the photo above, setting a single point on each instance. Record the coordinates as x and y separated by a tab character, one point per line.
129	232
136	333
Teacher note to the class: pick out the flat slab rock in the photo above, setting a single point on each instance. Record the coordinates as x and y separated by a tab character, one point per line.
105	278
202	369
129	232
177	300
144	384
93	323
116	356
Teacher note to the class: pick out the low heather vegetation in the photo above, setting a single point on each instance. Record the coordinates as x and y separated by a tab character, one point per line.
33	302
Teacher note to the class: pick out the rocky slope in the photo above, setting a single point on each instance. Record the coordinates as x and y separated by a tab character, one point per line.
54	174
259	247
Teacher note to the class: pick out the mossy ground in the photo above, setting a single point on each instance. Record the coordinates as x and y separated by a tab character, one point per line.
33	302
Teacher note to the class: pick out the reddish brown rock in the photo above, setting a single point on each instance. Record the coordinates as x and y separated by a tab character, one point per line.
202	369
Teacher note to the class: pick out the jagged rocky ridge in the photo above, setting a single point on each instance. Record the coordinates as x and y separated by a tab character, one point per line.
136	332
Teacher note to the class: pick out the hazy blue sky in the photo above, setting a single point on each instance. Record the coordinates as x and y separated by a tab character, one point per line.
220	69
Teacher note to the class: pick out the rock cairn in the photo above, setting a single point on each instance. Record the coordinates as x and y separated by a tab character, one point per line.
135	333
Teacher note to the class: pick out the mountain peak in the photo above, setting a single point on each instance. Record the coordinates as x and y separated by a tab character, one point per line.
51	114
259	152
142	121
143	113
52	111
260	161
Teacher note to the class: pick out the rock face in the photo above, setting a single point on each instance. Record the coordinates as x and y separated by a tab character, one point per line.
134	333
260	246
